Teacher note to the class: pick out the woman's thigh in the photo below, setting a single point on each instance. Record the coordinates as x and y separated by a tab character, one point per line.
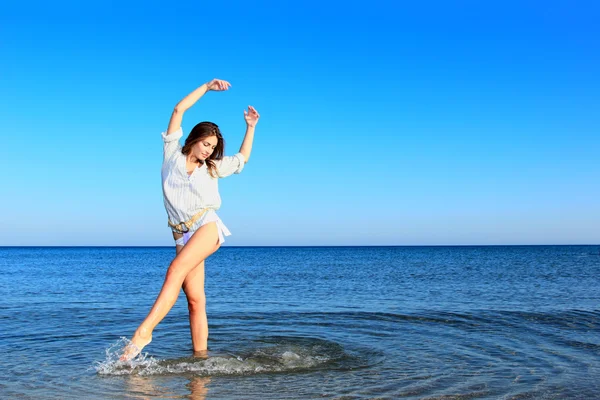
193	285
203	243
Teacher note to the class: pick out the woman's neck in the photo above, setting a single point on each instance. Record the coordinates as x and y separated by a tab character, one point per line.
191	159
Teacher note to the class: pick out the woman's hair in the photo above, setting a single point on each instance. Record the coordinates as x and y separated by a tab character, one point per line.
201	131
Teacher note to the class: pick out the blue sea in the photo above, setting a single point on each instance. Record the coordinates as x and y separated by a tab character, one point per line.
464	322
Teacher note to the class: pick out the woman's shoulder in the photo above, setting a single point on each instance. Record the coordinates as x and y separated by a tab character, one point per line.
173	159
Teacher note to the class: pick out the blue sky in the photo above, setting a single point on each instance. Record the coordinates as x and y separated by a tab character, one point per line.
382	123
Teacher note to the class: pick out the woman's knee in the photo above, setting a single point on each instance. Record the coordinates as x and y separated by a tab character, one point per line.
196	302
178	269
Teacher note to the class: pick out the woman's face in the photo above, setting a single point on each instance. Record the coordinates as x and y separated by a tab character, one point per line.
204	148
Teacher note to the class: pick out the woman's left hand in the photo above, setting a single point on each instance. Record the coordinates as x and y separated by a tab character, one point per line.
218	85
251	116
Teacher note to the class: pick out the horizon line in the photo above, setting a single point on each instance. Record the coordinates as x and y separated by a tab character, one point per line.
276	246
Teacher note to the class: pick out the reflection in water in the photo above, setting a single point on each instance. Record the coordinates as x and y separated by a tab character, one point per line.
198	387
148	387
144	387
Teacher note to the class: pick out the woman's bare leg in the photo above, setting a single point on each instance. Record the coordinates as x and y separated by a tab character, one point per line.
202	244
193	286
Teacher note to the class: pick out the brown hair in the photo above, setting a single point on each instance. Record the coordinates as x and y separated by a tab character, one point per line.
202	131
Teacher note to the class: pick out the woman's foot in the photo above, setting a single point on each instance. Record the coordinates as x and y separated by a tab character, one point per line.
138	342
203	354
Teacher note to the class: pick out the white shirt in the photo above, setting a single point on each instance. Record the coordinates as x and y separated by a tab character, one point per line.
185	195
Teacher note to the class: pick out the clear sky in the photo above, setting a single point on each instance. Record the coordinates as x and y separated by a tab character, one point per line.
382	122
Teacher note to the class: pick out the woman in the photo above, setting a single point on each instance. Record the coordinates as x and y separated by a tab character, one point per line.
190	189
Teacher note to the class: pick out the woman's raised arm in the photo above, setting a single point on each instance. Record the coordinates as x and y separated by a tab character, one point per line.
188	101
251	116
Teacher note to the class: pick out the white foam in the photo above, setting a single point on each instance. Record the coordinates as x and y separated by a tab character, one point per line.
113	366
277	358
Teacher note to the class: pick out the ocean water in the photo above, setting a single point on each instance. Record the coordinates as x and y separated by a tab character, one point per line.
515	322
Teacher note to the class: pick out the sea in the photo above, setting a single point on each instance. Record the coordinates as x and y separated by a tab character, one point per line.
416	322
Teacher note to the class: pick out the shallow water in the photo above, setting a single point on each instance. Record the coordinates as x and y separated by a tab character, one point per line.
338	322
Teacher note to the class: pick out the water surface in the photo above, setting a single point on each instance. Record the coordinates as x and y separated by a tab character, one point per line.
299	322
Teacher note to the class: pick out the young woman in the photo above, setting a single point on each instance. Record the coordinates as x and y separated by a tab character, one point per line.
190	188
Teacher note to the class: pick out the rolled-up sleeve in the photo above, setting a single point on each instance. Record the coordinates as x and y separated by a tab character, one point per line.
171	143
231	165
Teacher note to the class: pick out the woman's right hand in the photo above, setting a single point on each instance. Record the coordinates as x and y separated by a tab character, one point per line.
218	85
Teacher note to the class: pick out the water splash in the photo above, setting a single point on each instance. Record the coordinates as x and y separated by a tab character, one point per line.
113	366
265	356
